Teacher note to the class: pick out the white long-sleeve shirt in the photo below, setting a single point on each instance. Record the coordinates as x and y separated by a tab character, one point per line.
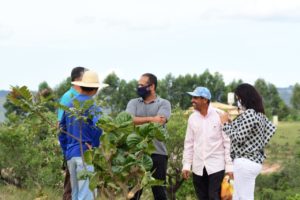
205	144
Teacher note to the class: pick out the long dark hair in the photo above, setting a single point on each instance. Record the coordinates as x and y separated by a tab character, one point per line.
250	98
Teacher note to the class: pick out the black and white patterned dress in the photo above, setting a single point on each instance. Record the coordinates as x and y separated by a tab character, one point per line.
249	133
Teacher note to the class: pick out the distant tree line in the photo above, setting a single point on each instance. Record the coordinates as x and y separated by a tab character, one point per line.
115	97
27	139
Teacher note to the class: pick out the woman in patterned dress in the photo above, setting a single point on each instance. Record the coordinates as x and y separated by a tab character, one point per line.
249	134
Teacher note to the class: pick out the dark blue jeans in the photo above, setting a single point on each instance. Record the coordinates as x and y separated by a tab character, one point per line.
160	163
208	187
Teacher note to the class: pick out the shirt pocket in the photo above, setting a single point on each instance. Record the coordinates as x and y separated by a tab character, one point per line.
214	131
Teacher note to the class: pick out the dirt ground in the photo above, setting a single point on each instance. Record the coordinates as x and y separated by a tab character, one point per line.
267	168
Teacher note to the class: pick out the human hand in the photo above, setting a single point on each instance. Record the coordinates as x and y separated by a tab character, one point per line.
225	118
230	174
88	146
159	119
185	174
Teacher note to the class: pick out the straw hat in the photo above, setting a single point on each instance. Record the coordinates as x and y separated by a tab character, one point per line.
89	79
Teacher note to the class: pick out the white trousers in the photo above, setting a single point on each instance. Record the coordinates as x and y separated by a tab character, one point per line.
245	172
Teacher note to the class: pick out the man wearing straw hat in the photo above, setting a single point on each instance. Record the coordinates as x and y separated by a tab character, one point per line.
76	75
73	128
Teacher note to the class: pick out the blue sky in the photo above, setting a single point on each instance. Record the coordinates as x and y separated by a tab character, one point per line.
241	39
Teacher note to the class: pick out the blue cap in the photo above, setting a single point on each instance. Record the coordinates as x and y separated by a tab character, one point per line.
201	92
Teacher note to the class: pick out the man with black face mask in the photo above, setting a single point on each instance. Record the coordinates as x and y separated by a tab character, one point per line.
151	108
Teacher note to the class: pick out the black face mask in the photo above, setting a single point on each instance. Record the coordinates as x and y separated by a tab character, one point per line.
143	92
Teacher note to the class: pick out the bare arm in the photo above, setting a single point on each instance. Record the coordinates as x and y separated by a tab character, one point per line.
163	113
155	119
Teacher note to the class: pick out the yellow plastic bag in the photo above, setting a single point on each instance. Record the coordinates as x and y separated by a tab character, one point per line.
227	188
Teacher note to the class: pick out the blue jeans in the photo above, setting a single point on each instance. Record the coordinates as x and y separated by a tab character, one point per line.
80	188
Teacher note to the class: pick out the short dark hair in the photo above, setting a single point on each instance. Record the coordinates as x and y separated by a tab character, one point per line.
88	89
250	97
152	79
77	72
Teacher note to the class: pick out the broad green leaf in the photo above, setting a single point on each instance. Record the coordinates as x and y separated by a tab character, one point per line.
106	123
148	180
85	105
112	137
88	157
131	158
106	145
133	139
142	145
94	180
160	133
121	139
150	149
155	182
147	162
84	174
105	119
100	162
119	159
76	104
123	119
144	129
129	128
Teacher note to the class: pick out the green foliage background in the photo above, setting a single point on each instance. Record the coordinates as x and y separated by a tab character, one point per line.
29	147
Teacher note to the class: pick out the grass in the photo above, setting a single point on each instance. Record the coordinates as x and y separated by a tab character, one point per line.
284	142
281	148
9	192
287	133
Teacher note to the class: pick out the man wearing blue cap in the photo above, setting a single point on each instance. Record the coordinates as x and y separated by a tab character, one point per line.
206	147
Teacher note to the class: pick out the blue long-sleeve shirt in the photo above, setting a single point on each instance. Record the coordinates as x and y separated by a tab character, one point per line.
90	132
65	100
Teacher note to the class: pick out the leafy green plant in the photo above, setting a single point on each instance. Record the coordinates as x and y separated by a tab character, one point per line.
122	162
30	154
177	128
294	197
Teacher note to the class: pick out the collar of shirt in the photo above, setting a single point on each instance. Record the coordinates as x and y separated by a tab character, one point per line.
74	91
210	109
141	100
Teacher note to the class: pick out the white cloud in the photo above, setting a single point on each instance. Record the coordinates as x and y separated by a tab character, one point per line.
35	22
6	32
139	34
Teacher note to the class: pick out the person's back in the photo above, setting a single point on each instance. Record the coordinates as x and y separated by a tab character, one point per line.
86	130
249	133
79	133
76	75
